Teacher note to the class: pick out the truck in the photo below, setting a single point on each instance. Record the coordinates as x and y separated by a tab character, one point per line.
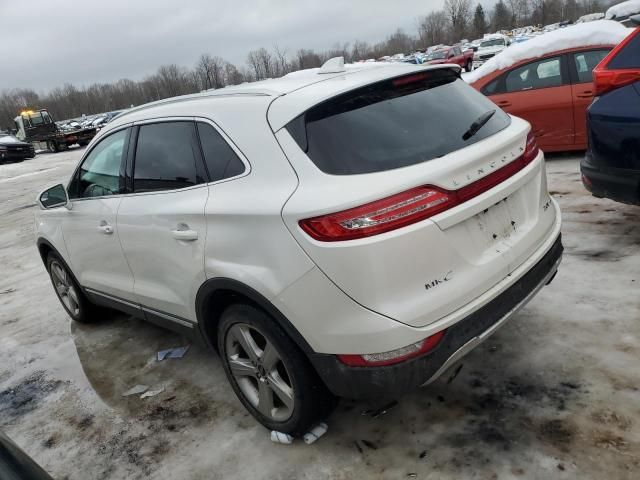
38	128
454	54
490	46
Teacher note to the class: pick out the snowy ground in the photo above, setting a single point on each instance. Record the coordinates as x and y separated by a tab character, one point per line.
554	394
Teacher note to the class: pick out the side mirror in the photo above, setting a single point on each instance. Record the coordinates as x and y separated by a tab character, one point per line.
54	197
451	55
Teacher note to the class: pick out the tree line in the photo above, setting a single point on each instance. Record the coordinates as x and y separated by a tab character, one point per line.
457	20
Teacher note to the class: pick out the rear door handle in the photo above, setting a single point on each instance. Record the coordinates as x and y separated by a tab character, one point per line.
182	232
504	103
105	228
587	94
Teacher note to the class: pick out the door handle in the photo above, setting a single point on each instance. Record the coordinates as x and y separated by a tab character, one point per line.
184	233
586	94
105	228
504	103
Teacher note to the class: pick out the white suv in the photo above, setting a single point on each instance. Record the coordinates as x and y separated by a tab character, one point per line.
333	233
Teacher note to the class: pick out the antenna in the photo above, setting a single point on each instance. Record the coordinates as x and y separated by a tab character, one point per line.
333	65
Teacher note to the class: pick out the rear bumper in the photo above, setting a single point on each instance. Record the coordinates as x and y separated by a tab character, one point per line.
620	185
460	339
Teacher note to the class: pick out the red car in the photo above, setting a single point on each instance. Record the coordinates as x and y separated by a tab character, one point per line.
551	92
451	55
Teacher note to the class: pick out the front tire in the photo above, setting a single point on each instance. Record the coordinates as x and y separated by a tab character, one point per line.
269	373
73	300
469	66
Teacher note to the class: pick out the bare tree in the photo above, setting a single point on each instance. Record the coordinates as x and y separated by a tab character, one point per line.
433	29
458	12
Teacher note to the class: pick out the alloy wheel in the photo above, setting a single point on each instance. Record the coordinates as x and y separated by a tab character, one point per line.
259	371
65	288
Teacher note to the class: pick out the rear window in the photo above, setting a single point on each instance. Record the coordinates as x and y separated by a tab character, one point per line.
628	57
394	123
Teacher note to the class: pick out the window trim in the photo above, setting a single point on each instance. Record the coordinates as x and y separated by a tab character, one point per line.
76	172
573	70
231	143
501	88
131	156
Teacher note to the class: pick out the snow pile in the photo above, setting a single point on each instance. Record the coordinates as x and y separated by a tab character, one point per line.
623	10
590	17
601	32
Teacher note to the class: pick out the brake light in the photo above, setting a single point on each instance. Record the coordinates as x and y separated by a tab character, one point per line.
394	356
408	207
606	79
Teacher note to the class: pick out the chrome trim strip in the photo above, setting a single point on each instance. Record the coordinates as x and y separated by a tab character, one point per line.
112	298
475	341
169	317
164	316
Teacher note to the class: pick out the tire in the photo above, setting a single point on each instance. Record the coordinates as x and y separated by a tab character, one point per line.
469	66
53	146
295	398
73	300
83	144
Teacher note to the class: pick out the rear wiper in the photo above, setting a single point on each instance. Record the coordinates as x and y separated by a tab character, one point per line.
478	124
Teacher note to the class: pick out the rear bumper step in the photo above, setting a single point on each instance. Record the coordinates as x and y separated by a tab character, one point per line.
460	339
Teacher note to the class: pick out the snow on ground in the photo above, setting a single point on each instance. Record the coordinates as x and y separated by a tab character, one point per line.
623	10
601	32
555	394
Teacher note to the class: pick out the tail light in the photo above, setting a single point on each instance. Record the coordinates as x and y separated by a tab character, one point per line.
408	207
394	356
606	79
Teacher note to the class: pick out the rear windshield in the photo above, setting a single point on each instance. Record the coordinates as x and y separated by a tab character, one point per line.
394	123
628	57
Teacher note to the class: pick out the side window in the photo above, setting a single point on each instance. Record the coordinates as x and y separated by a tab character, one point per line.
222	162
99	174
166	157
491	87
456	51
586	62
541	74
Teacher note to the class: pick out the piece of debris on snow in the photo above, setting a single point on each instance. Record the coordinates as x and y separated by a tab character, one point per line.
279	437
8	290
175	352
138	389
378	412
355	442
151	393
315	433
412	475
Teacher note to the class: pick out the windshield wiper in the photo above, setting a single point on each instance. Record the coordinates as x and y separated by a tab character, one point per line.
478	124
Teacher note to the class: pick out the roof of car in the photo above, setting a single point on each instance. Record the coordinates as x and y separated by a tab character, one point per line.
285	97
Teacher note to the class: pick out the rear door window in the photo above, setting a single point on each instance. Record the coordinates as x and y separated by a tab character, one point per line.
585	62
166	157
222	162
394	123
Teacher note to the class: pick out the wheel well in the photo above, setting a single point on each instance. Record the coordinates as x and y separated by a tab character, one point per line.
217	294
44	250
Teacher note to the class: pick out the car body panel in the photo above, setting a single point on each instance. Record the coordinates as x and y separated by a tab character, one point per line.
557	114
394	273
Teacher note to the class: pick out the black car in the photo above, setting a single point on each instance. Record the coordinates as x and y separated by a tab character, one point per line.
611	167
14	150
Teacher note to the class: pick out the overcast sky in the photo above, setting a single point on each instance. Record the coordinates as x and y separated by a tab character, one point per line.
45	43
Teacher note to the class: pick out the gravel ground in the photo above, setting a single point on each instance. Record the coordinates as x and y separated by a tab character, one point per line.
554	394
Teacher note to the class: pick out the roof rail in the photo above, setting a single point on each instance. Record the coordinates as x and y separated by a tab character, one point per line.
207	93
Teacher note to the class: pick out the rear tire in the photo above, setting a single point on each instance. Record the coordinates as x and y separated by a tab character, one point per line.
73	300
269	373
